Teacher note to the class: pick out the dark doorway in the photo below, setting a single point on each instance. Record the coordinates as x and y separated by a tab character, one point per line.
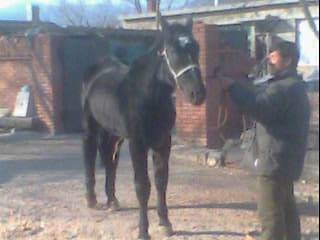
79	53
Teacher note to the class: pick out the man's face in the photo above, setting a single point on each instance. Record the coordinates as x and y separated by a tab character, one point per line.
277	63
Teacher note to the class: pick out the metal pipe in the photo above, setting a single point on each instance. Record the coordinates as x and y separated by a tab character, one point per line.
158	14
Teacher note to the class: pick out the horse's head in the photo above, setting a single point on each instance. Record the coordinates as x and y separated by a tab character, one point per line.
181	53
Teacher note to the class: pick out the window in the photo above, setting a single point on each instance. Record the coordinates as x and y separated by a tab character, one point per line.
309	50
309	44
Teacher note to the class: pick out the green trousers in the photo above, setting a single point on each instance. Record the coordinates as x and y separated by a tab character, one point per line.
277	209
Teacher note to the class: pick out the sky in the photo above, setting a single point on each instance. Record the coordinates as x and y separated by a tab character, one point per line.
17	9
12	3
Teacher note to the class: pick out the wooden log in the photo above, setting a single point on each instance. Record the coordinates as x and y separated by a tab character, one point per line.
19	123
4	112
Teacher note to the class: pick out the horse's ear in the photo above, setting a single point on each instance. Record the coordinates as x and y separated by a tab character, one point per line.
164	24
189	23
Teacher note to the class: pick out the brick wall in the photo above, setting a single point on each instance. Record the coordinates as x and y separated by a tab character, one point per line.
314	102
57	81
30	63
314	128
151	5
191	121
210	62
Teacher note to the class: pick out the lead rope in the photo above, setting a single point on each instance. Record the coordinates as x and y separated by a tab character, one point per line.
223	116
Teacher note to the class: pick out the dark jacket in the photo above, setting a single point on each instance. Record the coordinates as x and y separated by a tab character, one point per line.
282	111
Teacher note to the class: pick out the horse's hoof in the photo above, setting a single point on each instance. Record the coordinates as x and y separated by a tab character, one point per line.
92	205
92	202
167	231
144	237
113	206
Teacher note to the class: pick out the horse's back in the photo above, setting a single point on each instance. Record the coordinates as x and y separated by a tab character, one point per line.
110	72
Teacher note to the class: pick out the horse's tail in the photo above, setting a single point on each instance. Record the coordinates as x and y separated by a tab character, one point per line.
113	149
90	72
87	80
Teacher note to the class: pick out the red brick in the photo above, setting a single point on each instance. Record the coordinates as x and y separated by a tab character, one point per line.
17	72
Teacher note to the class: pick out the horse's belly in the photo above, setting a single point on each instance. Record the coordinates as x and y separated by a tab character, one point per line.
106	111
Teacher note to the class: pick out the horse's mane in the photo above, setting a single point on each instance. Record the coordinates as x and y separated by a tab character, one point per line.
94	70
100	65
146	59
177	27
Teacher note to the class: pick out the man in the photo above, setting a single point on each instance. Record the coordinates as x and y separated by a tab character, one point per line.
282	111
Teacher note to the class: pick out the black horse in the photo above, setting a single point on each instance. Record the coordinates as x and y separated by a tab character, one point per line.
135	103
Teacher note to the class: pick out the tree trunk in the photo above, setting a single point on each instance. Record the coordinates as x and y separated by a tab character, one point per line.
20	123
151	5
158	14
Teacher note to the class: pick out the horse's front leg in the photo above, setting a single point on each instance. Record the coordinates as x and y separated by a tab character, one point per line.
161	157
139	155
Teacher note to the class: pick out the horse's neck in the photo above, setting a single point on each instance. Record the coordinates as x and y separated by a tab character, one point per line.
158	84
143	77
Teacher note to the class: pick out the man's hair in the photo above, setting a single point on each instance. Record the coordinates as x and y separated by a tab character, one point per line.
288	50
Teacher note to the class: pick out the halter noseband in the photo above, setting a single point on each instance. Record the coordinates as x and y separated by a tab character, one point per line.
182	71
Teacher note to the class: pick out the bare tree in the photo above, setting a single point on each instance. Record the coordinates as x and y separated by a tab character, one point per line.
140	5
309	18
72	14
80	14
137	5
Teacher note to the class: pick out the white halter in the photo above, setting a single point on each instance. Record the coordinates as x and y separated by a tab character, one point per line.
182	71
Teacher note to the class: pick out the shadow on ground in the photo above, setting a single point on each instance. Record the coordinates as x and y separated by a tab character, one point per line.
15	168
312	236
306	209
208	233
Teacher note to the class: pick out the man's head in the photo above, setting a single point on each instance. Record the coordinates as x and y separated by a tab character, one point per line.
283	56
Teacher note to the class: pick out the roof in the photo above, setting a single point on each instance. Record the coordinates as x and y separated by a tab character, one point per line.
84	31
15	27
254	5
22	27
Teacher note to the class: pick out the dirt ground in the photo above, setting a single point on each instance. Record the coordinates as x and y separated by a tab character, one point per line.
42	197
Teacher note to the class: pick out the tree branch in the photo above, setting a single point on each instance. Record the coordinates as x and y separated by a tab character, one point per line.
186	3
309	18
170	4
138	6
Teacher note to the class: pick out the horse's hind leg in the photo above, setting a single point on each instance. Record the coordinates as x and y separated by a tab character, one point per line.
111	171
161	170
90	152
109	147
